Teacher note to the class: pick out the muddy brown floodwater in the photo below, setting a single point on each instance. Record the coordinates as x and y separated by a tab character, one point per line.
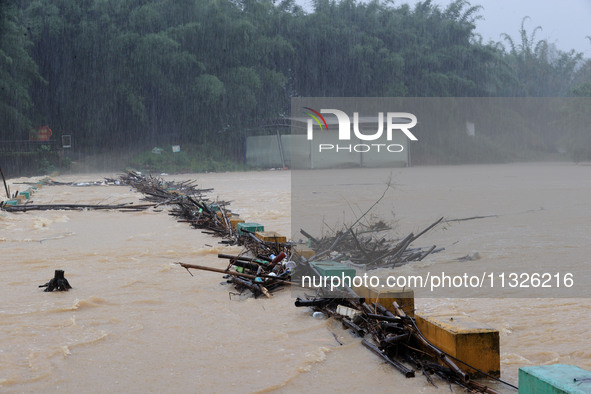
136	322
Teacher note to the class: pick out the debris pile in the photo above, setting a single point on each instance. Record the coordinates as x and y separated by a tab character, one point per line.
367	247
363	244
263	266
394	337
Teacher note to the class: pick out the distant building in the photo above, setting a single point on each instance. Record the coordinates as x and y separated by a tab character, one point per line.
296	151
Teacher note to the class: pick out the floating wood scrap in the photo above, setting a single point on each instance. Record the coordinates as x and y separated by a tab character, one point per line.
50	182
262	267
251	277
393	337
158	190
257	269
367	246
74	207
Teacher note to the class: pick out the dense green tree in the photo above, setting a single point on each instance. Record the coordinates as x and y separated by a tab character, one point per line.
138	72
582	79
539	68
18	71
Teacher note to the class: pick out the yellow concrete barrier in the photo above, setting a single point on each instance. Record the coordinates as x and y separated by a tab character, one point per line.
270	236
304	251
464	338
234	220
404	297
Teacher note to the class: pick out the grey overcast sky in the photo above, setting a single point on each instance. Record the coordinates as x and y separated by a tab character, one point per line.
564	23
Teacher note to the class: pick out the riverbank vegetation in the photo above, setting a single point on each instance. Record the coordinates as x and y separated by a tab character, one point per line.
192	158
134	74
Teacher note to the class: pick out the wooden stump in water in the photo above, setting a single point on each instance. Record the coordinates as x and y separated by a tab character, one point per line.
58	282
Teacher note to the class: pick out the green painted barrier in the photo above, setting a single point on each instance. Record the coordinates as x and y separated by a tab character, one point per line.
554	379
333	268
251	227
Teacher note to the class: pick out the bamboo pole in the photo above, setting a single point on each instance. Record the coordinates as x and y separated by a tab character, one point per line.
49	207
440	354
407	372
5	185
233	273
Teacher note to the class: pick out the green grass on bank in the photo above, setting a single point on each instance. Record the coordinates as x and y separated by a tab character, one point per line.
191	158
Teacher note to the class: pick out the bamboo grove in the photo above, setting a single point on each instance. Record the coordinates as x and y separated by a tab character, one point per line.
122	73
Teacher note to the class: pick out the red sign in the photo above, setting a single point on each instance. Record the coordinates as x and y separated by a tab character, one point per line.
43	133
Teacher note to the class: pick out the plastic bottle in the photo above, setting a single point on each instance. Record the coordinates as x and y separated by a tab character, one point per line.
289	265
278	258
319	315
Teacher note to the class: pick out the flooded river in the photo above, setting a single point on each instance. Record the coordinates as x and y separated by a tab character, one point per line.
136	322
